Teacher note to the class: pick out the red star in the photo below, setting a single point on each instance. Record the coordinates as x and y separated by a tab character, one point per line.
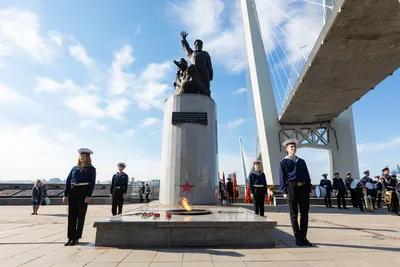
186	187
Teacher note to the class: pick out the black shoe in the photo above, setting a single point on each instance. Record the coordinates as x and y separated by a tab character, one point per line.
346	208
74	242
68	242
307	243
299	242
340	208
362	210
395	214
330	207
32	213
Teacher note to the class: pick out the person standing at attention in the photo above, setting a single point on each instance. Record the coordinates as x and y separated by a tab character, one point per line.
328	187
258	188
296	186
119	186
77	193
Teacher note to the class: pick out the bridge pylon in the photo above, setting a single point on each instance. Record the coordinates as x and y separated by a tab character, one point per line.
336	136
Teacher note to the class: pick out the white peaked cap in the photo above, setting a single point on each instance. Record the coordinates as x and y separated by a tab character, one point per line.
85	151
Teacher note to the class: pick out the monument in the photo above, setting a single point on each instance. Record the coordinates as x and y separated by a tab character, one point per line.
190	169
190	148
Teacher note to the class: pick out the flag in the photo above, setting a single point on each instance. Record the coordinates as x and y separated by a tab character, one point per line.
247	197
223	178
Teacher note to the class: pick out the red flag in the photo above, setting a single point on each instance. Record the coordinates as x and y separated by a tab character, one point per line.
247	197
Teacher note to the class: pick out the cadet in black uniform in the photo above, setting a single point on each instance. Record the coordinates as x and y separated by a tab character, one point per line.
340	187
370	192
77	193
119	186
379	191
328	187
296	187
229	189
258	188
348	182
390	183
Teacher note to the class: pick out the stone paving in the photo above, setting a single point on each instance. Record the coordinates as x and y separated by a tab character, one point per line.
342	238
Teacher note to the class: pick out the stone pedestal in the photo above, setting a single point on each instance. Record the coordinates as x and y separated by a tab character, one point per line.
189	151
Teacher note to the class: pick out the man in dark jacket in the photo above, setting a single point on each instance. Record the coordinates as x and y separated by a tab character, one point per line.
229	188
119	186
340	188
328	187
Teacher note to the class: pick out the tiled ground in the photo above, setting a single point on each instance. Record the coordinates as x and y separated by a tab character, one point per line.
342	238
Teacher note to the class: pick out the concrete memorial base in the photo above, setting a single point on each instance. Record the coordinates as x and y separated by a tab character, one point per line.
224	227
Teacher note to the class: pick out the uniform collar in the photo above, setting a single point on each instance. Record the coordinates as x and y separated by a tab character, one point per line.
295	159
257	173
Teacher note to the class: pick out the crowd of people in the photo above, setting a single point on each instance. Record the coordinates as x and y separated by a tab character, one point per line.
365	193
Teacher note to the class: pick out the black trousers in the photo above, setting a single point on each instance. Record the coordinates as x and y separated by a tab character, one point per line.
230	196
353	198
394	205
76	211
327	199
141	197
378	200
341	198
359	199
117	201
147	198
299	196
259	198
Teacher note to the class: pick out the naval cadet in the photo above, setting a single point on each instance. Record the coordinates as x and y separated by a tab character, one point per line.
119	186
340	188
77	193
258	188
390	183
328	187
296	186
348	182
379	190
370	192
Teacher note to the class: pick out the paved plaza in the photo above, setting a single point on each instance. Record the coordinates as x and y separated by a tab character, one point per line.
342	238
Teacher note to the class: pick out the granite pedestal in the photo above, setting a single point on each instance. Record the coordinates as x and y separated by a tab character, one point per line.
224	227
189	150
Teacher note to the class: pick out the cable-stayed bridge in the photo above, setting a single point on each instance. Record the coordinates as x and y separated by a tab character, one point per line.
306	90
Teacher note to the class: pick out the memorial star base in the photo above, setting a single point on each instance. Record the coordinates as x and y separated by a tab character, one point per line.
224	227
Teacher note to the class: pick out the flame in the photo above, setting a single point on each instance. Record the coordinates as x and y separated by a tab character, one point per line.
185	204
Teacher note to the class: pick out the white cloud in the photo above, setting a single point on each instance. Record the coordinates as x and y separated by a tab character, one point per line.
240	91
93	124
11	97
234	124
78	52
85	105
121	79
201	17
130	132
63	136
20	31
117	108
149	122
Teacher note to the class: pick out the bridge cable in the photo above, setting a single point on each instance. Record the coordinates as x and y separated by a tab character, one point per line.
288	37
276	83
318	4
286	15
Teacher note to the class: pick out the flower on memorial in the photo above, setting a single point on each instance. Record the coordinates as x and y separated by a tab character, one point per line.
168	215
219	211
156	214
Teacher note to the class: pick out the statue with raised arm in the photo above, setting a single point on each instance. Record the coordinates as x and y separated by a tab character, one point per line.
201	59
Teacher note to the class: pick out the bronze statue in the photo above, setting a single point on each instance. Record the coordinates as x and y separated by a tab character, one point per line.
187	81
201	59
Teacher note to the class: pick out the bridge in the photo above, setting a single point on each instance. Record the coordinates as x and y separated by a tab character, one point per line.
357	48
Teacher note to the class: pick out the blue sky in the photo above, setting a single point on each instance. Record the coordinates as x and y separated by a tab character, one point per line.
95	74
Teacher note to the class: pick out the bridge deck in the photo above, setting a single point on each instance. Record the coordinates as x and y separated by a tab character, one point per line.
361	48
